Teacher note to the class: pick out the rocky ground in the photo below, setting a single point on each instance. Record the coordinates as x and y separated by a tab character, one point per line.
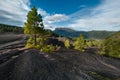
18	63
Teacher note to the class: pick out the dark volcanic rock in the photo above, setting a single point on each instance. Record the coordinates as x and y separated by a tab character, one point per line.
63	65
33	65
55	42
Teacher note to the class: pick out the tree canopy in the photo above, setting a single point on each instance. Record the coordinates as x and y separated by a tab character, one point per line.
34	22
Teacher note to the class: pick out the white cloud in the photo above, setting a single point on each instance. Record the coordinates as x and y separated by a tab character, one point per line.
13	12
49	26
42	12
56	18
104	17
49	20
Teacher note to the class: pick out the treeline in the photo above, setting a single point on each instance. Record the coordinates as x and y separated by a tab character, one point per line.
10	28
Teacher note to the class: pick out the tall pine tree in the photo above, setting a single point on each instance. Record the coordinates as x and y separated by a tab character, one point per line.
34	24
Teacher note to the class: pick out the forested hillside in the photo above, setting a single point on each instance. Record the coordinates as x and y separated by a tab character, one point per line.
87	34
10	28
112	45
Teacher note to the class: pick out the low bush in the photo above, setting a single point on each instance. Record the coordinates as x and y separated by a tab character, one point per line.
79	43
67	44
47	48
30	43
40	45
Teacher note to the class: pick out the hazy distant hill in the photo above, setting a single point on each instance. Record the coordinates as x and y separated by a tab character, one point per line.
87	34
10	28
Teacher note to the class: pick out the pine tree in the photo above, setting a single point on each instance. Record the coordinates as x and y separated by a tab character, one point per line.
34	24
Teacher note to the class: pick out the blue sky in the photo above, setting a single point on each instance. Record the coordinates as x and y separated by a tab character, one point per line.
63	6
82	15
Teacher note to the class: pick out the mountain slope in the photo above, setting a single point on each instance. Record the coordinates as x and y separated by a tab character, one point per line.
87	34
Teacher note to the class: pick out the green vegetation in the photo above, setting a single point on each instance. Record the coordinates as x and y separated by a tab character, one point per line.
37	34
99	34
79	43
10	28
101	47
48	48
88	44
30	43
91	43
110	46
67	43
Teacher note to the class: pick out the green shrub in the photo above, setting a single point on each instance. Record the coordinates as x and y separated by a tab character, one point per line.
112	47
67	43
88	44
40	45
92	43
30	43
79	43
101	47
47	48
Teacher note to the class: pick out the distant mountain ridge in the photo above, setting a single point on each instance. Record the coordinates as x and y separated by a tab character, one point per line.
67	32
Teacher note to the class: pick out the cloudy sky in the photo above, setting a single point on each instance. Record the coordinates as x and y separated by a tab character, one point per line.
83	15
